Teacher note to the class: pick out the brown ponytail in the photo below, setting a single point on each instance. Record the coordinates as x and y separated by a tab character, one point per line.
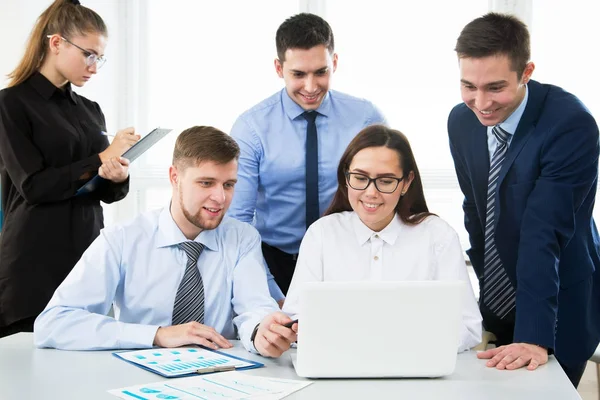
64	17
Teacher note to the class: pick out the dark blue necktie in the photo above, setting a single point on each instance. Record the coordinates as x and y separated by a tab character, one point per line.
312	168
498	292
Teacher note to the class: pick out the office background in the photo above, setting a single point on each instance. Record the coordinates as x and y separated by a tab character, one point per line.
180	63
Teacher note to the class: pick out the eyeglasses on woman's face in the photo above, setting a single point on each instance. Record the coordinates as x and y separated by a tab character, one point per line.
384	184
90	58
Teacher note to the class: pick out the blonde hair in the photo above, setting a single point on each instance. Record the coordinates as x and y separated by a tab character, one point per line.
65	17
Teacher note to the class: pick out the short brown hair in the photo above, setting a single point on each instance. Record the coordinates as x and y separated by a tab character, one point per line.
496	34
204	143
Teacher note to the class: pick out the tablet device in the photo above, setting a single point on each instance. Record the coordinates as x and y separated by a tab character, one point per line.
134	152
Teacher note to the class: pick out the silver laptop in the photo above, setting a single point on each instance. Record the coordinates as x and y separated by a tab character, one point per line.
378	329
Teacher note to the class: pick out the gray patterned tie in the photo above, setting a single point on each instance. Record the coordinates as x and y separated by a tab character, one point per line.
498	292
189	301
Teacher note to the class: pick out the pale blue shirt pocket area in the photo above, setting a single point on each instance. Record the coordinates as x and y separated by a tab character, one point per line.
271	189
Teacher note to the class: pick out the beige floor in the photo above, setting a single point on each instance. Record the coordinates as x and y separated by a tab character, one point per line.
588	387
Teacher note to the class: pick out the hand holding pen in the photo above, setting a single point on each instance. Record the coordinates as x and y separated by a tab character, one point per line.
273	337
291	324
124	139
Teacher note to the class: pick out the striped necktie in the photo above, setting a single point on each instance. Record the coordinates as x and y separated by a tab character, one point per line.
498	292
312	168
189	301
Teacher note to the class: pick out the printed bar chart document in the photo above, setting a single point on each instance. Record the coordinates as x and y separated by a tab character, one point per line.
184	361
228	385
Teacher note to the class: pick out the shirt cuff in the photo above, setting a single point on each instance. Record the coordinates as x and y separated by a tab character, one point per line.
246	338
135	336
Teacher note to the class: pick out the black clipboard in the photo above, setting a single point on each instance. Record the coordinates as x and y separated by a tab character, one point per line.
134	152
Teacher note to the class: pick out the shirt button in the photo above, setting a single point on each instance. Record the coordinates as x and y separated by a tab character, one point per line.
375	258
376	236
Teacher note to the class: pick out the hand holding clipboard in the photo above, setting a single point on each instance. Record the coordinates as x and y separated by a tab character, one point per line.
134	152
122	141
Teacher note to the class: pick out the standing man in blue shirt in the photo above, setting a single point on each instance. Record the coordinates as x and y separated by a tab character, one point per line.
177	276
292	142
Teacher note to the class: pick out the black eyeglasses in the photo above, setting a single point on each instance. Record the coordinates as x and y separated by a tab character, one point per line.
90	58
384	184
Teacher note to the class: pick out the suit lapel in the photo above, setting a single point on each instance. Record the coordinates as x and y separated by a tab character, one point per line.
480	174
525	128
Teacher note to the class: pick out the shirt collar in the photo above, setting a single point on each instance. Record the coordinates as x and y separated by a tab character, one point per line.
169	234
293	110
46	88
70	93
512	122
389	234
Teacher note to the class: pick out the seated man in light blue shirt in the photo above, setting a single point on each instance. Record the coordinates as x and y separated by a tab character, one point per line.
291	144
163	293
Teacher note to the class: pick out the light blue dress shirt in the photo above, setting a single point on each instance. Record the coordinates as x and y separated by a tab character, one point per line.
138	268
271	187
509	125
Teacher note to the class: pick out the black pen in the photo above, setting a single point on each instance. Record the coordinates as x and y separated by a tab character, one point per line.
289	324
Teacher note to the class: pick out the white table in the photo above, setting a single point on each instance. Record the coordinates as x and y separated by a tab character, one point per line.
30	373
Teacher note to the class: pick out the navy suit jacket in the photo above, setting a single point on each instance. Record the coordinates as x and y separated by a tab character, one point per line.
545	234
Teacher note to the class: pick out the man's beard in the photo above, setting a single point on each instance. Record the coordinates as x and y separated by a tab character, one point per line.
197	219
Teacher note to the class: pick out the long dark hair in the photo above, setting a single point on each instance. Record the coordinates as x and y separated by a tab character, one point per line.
65	17
412	207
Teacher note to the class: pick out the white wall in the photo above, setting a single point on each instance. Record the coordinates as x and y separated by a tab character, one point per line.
16	21
222	64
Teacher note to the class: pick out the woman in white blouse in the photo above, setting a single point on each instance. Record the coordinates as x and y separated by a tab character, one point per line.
378	228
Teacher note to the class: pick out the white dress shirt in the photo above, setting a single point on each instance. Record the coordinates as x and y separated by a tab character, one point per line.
339	247
138	268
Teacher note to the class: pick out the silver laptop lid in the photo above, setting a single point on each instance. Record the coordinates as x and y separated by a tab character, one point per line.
379	329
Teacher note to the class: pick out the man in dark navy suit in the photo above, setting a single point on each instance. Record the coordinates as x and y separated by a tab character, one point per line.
526	156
